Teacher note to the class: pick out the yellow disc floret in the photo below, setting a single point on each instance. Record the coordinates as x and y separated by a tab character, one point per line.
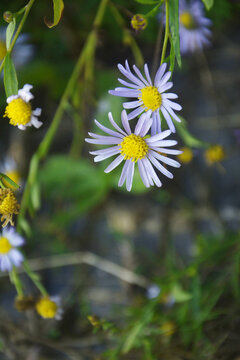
5	246
46	308
8	206
151	98
138	22
133	147
3	50
187	20
19	112
214	154
186	156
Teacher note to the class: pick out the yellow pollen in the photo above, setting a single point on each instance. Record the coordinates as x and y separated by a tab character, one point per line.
5	246
186	156
3	50
133	147
151	98
46	308
8	206
13	175
187	20
138	22
19	112
214	154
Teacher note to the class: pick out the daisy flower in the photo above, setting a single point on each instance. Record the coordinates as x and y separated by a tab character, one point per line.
22	51
9	254
135	148
193	26
49	307
19	109
151	96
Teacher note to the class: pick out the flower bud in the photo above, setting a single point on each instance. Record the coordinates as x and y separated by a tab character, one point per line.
8	16
138	22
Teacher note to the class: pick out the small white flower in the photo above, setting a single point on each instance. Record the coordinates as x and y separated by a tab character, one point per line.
193	26
19	109
135	148
9	254
151	96
49	307
153	291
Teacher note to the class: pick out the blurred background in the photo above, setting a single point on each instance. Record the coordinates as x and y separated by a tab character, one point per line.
179	298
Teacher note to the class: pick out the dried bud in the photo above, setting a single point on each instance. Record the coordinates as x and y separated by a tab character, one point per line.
8	16
24	302
138	22
94	320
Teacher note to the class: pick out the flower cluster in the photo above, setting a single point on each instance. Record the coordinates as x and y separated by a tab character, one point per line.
149	152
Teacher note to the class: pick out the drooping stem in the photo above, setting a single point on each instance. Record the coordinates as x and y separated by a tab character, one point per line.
166	36
35	278
14	277
27	9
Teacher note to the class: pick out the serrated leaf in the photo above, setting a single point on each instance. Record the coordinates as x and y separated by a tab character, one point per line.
10	77
174	26
9	181
58	6
10	32
208	3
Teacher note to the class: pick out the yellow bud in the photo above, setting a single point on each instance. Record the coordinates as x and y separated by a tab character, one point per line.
138	22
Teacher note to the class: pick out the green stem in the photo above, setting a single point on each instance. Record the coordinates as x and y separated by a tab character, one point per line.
20	26
35	278
166	36
16	281
47	140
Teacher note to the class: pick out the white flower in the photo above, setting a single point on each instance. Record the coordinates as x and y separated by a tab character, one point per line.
193	26
22	51
153	291
49	307
19	109
9	254
150	96
135	148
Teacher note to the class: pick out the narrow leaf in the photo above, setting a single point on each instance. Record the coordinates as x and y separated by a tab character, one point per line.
8	180
147	2
10	32
208	3
58	6
174	26
10	77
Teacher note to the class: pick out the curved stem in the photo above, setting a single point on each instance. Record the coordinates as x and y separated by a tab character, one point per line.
16	281
166	36
35	278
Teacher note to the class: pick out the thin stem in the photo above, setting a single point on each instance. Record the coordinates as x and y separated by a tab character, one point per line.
20	26
157	48
166	36
16	281
35	279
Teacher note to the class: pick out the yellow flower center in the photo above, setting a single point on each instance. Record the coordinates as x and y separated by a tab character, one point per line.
138	22
133	147
186	156
3	50
8	206
151	98
13	175
19	112
187	20
5	246
214	154
46	308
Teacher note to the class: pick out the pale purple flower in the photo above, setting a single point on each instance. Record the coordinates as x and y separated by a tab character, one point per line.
9	254
134	147
151	96
193	26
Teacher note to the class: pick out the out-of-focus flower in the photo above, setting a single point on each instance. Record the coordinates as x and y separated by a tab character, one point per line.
214	154
24	302
138	22
135	148
186	156
9	168
150	96
19	109
153	291
193	26
168	328
8	206
94	321
9	254
22	51
49	307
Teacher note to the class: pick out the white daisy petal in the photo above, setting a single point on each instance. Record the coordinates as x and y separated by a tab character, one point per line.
130	173
138	72
114	164
132	104
165	159
107	130
110	117
135	113
159	74
124	173
152	172
107	155
143	174
147	74
125	122
160	167
168	119
173	105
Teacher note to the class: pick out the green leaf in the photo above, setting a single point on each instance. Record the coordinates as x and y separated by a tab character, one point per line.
147	2
10	32
9	181
174	26
35	196
154	11
172	56
23	224
208	3
179	294
187	137
10	77
58	6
